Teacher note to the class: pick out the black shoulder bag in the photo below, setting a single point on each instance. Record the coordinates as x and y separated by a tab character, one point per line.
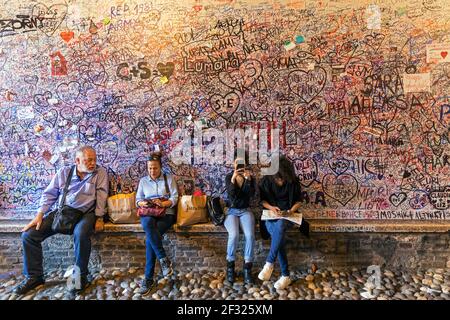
215	210
66	217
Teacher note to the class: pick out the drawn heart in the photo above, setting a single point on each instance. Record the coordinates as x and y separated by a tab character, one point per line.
374	41
72	114
307	171
349	125
339	166
51	16
68	92
225	106
342	188
418	201
333	95
33	80
51	116
67	35
243	78
166	69
42	99
107	152
46	155
88	133
384	113
307	85
97	73
397	198
444	54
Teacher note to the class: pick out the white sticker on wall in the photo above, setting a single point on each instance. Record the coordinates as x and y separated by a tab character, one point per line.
25	113
373	14
52	101
54	158
416	82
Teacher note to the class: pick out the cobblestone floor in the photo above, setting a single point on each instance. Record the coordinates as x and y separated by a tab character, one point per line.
345	284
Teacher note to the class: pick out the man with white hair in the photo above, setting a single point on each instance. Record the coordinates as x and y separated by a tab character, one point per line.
87	191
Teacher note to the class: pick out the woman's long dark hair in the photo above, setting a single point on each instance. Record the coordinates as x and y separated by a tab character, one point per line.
286	170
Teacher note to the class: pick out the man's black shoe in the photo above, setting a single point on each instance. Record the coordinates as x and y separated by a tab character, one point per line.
28	284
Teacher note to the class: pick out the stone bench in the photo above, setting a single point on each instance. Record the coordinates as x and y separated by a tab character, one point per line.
334	243
316	226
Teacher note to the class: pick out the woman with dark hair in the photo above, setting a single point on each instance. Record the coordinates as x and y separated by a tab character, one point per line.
280	194
240	187
160	190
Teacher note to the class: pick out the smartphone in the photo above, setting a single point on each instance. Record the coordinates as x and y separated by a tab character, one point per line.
240	166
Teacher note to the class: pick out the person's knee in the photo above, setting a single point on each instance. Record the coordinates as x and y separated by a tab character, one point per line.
148	223
26	236
82	234
233	236
281	225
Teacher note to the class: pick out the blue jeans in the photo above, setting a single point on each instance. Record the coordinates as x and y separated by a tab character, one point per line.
154	230
248	226
32	248
277	229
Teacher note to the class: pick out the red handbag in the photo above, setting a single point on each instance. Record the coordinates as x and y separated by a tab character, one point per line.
153	210
157	212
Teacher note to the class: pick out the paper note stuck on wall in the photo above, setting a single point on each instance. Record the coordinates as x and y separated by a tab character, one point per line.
25	113
438	52
164	80
416	82
289	45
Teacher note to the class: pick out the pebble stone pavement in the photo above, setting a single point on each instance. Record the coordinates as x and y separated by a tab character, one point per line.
311	284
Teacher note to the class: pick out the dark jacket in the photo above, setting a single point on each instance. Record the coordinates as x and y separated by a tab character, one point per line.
267	191
239	197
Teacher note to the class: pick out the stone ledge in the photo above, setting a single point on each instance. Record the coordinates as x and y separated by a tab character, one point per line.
316	225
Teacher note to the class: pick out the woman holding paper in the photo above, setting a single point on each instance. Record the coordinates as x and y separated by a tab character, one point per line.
240	187
280	194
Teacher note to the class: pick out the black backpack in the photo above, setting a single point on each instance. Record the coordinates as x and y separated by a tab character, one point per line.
215	210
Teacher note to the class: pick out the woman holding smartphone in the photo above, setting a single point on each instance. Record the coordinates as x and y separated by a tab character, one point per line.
240	187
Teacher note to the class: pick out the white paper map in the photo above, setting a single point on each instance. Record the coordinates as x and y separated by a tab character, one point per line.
295	217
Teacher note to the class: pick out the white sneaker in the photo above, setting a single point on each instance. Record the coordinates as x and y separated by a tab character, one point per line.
266	272
282	283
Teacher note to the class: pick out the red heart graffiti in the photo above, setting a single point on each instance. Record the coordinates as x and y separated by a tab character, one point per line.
67	35
444	54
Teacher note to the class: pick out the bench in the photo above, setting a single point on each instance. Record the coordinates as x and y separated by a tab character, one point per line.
316	225
334	243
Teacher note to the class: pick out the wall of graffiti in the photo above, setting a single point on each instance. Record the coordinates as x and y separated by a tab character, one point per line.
358	89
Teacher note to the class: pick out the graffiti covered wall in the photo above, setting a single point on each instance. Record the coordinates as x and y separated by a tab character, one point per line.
358	89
